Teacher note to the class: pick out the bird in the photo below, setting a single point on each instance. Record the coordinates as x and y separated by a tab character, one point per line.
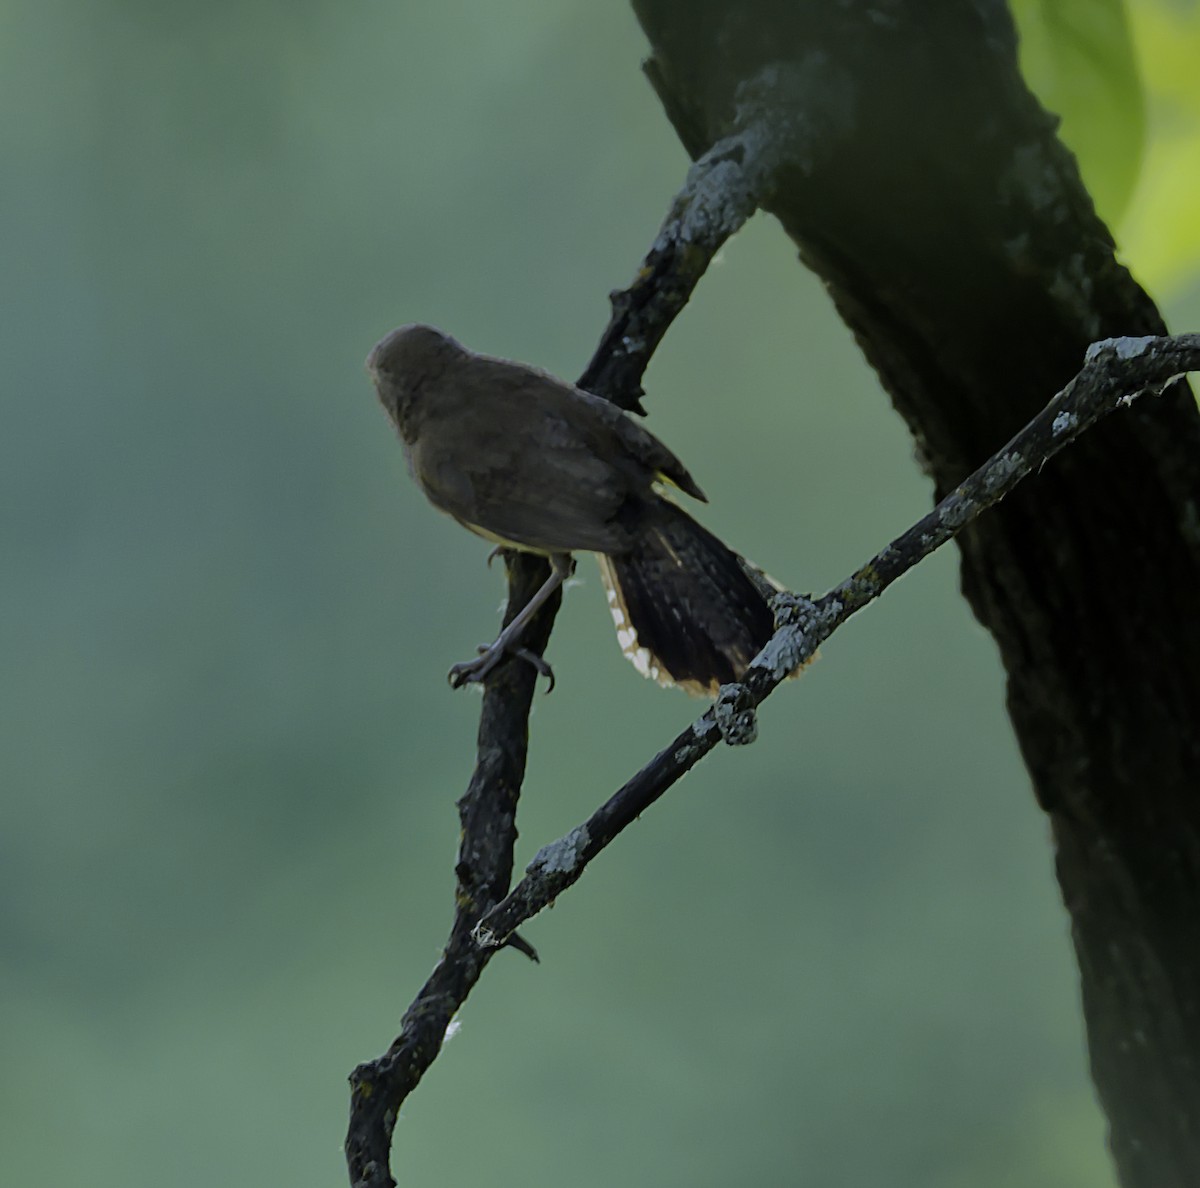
532	463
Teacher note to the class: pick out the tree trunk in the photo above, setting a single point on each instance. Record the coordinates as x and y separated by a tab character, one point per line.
956	239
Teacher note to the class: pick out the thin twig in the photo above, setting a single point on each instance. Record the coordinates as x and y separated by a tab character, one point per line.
1115	372
716	199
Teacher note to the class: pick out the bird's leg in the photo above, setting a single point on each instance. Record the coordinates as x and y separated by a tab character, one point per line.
562	565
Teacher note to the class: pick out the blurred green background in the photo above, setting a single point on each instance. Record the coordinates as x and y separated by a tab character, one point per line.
227	827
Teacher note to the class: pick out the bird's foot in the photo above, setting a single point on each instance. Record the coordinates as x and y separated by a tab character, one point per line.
538	662
518	942
471	672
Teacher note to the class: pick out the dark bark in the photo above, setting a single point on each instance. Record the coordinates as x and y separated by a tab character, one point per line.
714	201
1116	370
957	241
487	811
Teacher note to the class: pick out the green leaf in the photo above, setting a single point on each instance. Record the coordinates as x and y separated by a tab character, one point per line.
1078	57
1160	235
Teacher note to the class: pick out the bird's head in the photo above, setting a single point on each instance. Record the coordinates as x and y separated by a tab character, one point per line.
403	362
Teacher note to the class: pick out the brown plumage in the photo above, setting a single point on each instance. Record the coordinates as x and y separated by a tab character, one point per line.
532	463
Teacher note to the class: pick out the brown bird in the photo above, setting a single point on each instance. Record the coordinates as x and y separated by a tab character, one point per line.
532	463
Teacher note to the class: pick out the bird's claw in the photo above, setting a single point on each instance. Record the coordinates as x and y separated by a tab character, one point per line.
518	942
538	662
472	672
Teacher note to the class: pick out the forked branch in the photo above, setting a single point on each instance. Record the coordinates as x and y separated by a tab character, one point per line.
1115	372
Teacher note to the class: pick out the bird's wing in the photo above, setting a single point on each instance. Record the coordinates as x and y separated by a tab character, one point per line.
641	444
535	485
610	429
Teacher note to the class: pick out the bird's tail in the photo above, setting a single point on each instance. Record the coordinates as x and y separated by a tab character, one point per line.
688	610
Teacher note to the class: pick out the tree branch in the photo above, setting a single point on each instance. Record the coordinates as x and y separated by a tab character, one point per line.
723	188
991	240
487	812
715	200
955	236
1115	372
